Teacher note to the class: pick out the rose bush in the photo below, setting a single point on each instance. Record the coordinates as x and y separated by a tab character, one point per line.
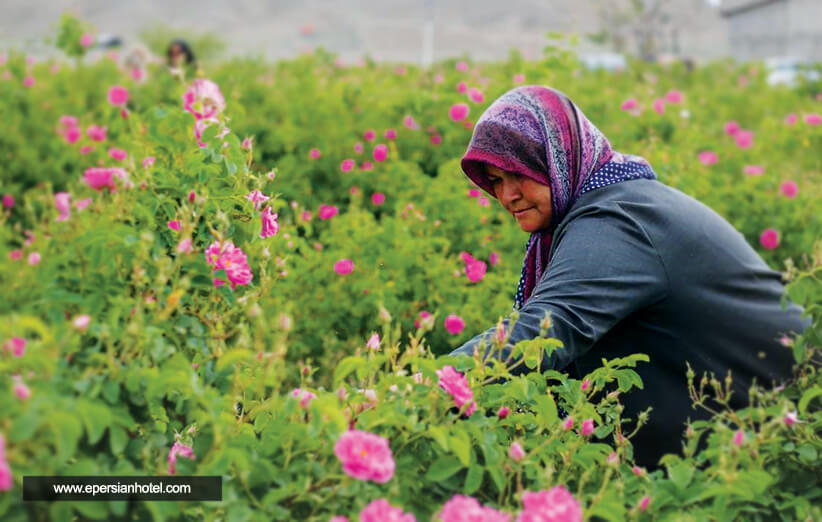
222	299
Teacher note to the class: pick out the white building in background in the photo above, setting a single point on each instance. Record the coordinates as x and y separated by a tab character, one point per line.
760	29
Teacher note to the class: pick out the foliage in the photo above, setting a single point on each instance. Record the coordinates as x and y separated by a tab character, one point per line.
168	356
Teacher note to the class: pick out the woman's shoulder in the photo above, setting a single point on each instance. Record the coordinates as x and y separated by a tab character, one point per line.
640	199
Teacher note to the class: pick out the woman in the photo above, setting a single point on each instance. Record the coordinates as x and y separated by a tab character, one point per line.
180	55
625	264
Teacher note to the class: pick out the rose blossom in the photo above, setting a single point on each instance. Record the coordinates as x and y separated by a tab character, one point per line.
231	259
365	456
455	384
554	505
269	224
454	324
118	96
516	452
305	396
178	449
344	266
461	508
327	211
381	511
203	99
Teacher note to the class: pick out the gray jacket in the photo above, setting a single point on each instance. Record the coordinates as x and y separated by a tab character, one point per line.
640	267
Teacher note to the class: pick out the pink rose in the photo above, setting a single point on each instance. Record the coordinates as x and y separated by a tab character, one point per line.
789	189
516	452
629	104
454	324
203	99
381	511
813	119
554	505
181	450
739	438
347	165
62	200
731	128
769	239
791	419
344	266
744	139
462	508
674	96
230	258
365	456
304	396
476	95
96	133
270	226
17	346
380	152
458	111
456	385
118	96
327	211
753	170
708	158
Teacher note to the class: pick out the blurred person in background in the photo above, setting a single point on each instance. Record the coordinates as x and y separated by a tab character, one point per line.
621	263
180	57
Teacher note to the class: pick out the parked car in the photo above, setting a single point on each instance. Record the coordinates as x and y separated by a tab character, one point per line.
787	71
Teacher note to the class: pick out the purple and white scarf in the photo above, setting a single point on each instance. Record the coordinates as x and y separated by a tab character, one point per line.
538	132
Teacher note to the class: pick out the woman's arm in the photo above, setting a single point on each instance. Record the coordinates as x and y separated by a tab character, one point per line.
604	268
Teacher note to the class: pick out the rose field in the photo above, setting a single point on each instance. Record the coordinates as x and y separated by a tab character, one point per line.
256	270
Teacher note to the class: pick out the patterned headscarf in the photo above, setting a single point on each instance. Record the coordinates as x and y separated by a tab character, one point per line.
538	132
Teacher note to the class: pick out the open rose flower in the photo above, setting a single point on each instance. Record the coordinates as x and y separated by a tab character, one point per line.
231	259
555	505
203	99
462	508
178	450
456	385
269	223
381	511
365	456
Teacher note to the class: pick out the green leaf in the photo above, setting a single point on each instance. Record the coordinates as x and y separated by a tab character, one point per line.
806	452
439	434
460	444
117	439
546	410
67	432
232	357
443	468
681	474
473	480
807	397
25	426
610	507
496	476
92	510
96	418
345	367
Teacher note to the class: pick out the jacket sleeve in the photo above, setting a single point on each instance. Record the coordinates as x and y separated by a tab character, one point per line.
604	268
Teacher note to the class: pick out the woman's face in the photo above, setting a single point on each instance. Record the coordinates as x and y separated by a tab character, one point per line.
176	55
528	201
